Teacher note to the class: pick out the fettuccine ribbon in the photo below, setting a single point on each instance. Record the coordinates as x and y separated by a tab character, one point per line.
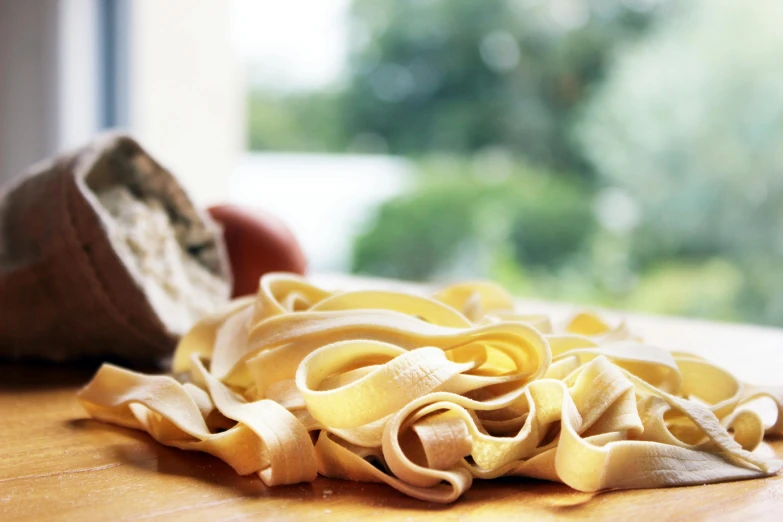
425	394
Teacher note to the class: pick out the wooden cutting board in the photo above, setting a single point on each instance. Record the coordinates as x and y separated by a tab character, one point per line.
55	464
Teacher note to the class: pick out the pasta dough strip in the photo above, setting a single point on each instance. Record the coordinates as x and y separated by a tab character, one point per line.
426	393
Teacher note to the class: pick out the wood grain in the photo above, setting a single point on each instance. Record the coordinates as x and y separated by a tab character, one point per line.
55	464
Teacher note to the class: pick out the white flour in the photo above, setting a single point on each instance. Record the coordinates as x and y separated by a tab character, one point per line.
179	288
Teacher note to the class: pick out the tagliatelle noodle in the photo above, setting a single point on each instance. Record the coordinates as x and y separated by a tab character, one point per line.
427	393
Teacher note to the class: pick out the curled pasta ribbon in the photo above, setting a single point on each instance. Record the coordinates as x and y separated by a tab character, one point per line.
427	393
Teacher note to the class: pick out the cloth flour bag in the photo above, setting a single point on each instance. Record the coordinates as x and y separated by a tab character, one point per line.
103	255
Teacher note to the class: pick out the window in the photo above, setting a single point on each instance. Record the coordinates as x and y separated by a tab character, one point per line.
623	153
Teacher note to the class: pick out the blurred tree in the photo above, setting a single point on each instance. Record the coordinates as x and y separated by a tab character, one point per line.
293	122
683	127
460	219
457	76
690	125
413	236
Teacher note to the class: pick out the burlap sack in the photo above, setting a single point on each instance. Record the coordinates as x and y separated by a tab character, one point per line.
65	292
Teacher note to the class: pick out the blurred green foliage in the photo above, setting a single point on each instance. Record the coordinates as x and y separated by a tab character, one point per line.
620	153
296	123
689	124
459	219
457	76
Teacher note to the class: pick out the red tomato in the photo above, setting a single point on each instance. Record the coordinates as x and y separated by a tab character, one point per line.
257	243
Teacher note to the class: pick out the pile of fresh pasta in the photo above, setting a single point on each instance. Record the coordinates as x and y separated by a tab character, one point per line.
427	393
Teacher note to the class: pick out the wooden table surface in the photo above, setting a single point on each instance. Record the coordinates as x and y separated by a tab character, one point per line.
55	463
